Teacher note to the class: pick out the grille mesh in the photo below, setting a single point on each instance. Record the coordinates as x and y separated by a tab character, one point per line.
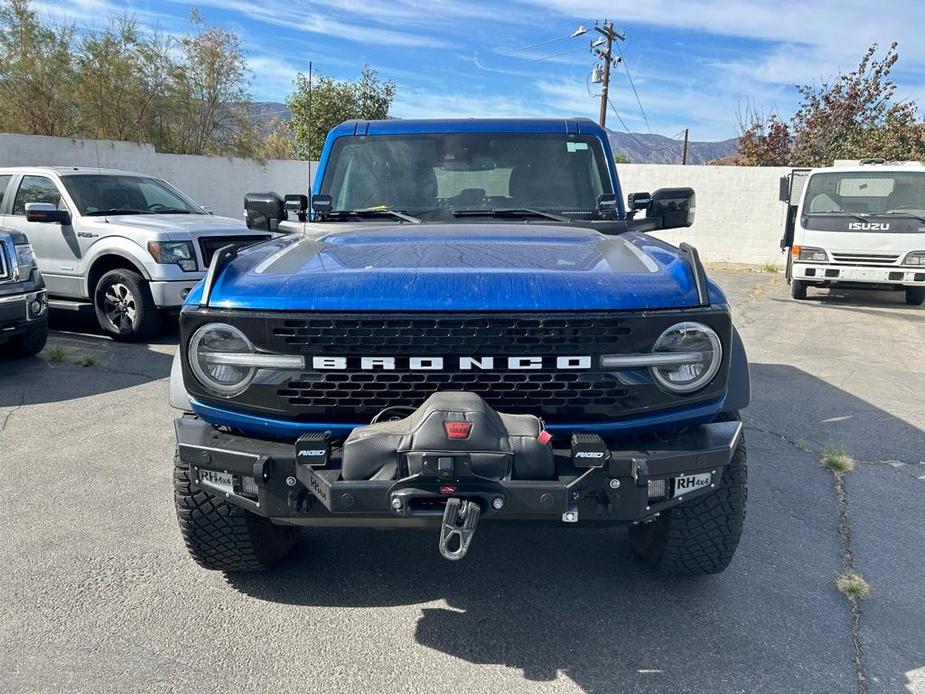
446	336
550	393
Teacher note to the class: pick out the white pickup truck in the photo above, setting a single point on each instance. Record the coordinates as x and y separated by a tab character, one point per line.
131	245
859	224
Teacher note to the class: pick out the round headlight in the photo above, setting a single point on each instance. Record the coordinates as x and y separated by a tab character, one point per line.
699	352
209	352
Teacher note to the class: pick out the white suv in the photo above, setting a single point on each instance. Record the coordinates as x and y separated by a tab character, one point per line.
129	244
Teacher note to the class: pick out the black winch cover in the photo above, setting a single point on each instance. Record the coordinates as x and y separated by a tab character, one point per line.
500	446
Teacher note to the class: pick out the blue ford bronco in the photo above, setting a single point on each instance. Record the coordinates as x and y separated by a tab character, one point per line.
23	300
465	326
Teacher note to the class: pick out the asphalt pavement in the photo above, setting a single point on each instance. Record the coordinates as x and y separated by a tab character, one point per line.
99	594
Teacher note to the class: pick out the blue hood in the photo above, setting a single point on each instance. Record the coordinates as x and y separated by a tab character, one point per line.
456	267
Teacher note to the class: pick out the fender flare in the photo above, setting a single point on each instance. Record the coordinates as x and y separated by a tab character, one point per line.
738	388
177	396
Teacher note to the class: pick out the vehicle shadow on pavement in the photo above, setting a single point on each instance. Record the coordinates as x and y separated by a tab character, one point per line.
558	603
80	361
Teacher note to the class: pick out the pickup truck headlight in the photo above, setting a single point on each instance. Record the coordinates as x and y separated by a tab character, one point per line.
174	253
812	255
25	259
916	258
691	355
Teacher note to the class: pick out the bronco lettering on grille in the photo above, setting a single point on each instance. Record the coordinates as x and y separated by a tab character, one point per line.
450	363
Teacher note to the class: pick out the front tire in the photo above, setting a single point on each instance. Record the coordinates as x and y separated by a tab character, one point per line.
124	306
28	343
699	537
915	296
798	289
224	537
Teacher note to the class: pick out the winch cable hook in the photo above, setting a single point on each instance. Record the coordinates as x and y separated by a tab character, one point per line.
460	518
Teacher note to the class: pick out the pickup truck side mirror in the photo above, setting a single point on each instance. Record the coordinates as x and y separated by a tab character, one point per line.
672	208
264	210
46	212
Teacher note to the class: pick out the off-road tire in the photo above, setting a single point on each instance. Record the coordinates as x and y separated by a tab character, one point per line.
28	343
147	319
915	296
224	537
798	289
699	537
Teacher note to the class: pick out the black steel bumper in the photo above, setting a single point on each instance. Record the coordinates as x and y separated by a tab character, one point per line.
636	481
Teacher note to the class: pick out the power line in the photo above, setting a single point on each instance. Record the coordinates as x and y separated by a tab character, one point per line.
651	148
641	109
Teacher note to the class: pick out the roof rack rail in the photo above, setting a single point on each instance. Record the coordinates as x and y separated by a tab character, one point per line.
692	257
220	259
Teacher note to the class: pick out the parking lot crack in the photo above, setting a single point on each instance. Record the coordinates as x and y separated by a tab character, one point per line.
12	411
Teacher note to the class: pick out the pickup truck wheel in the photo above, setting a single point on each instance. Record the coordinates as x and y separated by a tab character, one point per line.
27	343
124	306
224	537
699	537
798	289
915	296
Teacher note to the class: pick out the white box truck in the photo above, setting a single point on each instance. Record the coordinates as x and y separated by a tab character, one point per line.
859	224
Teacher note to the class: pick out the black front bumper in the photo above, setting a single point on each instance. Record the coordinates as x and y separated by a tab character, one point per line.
20	309
635	482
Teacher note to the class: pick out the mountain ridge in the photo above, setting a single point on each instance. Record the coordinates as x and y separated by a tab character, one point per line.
640	148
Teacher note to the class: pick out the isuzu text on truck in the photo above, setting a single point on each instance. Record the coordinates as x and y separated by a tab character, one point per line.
856	224
464	327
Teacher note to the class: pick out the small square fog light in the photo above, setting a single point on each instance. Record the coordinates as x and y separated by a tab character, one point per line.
658	489
248	486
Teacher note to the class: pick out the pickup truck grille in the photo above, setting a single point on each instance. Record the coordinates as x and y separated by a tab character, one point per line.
209	244
355	394
4	266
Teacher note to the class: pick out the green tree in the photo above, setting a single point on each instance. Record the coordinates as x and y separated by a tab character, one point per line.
621	158
212	96
319	106
37	84
851	116
123	78
278	144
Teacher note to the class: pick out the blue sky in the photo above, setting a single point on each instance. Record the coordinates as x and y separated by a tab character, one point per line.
695	63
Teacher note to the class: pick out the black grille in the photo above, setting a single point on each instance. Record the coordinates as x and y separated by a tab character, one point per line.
541	393
357	394
209	244
501	335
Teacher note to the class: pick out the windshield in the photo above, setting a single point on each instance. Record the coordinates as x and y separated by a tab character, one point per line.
433	176
862	194
98	194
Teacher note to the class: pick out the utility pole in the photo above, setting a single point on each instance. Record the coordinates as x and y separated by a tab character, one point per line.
684	156
606	54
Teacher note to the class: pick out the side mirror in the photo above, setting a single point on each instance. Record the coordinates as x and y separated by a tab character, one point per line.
46	212
672	208
322	203
606	204
264	210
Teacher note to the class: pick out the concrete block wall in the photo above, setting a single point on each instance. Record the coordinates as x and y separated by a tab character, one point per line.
216	182
739	218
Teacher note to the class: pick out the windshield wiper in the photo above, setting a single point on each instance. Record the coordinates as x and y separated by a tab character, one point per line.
374	212
511	212
116	210
856	215
171	210
904	214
